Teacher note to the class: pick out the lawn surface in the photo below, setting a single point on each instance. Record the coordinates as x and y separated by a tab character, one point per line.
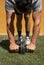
35	58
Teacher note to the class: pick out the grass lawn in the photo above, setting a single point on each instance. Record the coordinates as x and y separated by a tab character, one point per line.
35	58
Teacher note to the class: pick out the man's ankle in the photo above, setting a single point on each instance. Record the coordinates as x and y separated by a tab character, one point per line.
27	33
19	34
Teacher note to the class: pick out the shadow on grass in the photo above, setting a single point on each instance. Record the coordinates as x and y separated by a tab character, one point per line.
5	44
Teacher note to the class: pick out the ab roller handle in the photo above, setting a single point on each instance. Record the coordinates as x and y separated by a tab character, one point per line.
22	48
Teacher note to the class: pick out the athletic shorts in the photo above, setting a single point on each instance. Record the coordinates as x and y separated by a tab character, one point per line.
23	7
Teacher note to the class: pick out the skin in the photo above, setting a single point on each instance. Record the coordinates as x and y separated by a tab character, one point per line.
36	29
10	30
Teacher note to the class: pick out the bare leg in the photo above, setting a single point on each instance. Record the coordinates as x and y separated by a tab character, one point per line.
27	27
19	24
10	30
27	23
36	28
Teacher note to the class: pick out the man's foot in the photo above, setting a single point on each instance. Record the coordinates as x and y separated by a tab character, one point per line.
31	47
27	40
20	39
13	47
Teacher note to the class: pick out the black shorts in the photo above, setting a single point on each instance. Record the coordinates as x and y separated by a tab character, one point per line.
23	7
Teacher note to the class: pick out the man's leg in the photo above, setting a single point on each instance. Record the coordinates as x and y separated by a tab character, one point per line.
36	28
19	28
27	23
10	30
19	25
27	27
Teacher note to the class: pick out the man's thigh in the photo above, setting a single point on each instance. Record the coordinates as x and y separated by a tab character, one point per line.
36	15
10	17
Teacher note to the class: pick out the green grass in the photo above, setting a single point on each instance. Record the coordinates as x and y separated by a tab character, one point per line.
35	58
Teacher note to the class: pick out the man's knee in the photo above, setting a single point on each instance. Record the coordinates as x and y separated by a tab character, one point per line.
37	23
26	17
8	21
9	18
37	18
